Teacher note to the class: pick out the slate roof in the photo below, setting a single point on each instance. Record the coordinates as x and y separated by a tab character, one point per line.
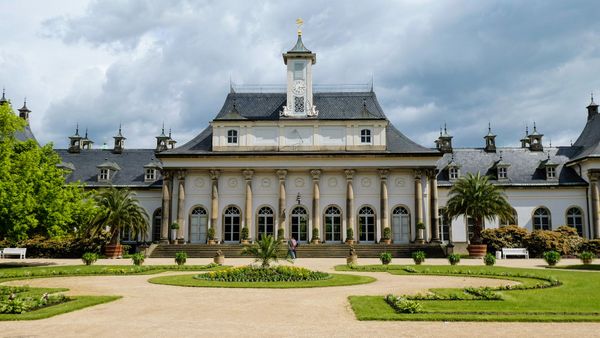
588	143
131	162
25	134
525	166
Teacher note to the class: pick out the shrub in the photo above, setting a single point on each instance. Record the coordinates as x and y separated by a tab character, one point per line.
420	226
180	258
564	240
511	236
245	233
211	233
254	274
551	257
386	258
281	234
403	305
58	247
174	226
587	257
138	258
315	234
453	259
387	233
489	259
89	258
349	234
418	257
592	246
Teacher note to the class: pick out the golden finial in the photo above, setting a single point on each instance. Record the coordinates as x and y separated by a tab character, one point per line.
299	23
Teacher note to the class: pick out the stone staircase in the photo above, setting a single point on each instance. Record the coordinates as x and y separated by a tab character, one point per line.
303	251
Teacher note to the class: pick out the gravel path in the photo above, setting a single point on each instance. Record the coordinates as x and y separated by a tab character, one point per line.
149	310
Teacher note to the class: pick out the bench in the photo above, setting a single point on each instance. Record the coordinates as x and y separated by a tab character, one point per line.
13	251
515	252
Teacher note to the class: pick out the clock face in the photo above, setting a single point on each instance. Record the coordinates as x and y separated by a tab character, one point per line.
298	87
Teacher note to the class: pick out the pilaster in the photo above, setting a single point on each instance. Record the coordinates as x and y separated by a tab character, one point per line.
350	201
316	175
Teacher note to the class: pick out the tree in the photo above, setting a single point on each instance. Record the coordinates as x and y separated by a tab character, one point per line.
34	197
120	211
264	251
474	196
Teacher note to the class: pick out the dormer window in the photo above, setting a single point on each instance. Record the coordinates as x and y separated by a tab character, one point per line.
365	136
453	173
107	170
232	136
550	173
150	175
104	175
502	173
151	171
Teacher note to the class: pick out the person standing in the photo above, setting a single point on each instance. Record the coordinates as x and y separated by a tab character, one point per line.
292	244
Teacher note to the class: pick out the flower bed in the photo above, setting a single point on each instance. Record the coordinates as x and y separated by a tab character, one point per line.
255	274
17	300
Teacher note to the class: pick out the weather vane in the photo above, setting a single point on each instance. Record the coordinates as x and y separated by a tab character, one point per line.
299	23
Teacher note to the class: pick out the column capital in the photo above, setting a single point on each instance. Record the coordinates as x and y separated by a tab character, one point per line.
181	175
383	173
281	173
431	173
418	173
214	174
248	173
167	174
316	174
349	174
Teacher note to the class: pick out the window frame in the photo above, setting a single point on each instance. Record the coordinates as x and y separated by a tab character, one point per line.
366	136
550	173
453	173
233	136
502	173
539	217
150	175
104	174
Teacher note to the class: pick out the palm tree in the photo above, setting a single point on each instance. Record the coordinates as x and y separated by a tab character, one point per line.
474	196
265	250
121	211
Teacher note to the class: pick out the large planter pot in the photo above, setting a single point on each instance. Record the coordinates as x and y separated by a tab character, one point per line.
113	250
315	241
352	259
587	261
386	241
349	241
245	241
173	236
420	236
477	250
212	242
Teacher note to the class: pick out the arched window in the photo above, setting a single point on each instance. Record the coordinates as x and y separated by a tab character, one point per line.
514	221
575	219
541	219
400	225
445	223
366	224
299	223
232	136
231	224
333	224
266	222
470	227
365	136
198	225
156	224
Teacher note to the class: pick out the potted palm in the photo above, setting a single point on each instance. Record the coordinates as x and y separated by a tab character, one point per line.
349	236
174	227
315	236
474	196
387	236
420	233
264	250
211	236
244	234
119	211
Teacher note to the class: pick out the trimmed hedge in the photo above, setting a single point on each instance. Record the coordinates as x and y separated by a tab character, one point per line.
63	247
255	274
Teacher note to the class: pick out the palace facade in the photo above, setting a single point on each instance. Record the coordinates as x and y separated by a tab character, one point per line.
306	159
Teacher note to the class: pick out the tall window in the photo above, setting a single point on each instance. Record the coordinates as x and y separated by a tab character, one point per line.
444	225
575	219
232	136
514	221
231	223
365	136
333	224
400	225
156	224
470	227
366	224
299	224
453	173
266	221
541	219
198	225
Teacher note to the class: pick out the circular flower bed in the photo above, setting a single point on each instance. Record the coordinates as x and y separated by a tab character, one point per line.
256	274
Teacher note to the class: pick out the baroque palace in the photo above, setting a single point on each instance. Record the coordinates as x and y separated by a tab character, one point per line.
306	159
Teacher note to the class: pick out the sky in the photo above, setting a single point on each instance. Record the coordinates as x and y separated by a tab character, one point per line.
141	63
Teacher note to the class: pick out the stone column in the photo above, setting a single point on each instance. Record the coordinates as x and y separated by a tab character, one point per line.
595	205
350	202
418	202
248	206
316	212
282	173
181	206
166	206
383	199
435	222
214	198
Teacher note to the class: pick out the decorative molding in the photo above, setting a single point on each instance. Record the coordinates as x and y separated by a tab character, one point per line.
199	182
265	182
214	174
281	173
232	182
299	182
383	173
399	182
365	182
332	182
349	174
316	174
248	173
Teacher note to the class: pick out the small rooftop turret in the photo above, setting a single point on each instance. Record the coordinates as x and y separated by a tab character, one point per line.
119	142
75	141
490	140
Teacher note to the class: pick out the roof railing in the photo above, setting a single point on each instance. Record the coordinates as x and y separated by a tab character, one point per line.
317	88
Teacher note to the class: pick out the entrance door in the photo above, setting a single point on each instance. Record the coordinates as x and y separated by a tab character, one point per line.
299	224
366	224
401	225
231	223
266	222
198	225
333	224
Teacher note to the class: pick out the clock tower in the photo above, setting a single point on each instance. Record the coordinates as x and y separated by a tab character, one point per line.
299	61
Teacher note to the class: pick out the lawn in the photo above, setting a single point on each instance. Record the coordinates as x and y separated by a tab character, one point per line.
576	298
335	280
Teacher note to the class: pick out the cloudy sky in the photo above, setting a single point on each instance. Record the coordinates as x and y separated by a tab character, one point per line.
139	63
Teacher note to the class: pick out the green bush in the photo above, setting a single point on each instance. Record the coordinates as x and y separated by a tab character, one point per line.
593	246
245	233
551	257
254	274
17	303
280	234
211	233
420	226
89	258
349	234
511	236
403	305
453	259
58	247
174	226
387	233
418	257
180	258
315	234
489	259
587	257
564	240
138	258
386	258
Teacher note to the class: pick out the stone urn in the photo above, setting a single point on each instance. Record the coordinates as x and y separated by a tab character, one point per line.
315	241
420	236
477	250
173	236
219	257
352	256
212	242
350	241
386	241
245	241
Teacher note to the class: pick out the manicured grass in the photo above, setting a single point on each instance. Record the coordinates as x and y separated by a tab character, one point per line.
76	303
577	298
592	267
335	280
